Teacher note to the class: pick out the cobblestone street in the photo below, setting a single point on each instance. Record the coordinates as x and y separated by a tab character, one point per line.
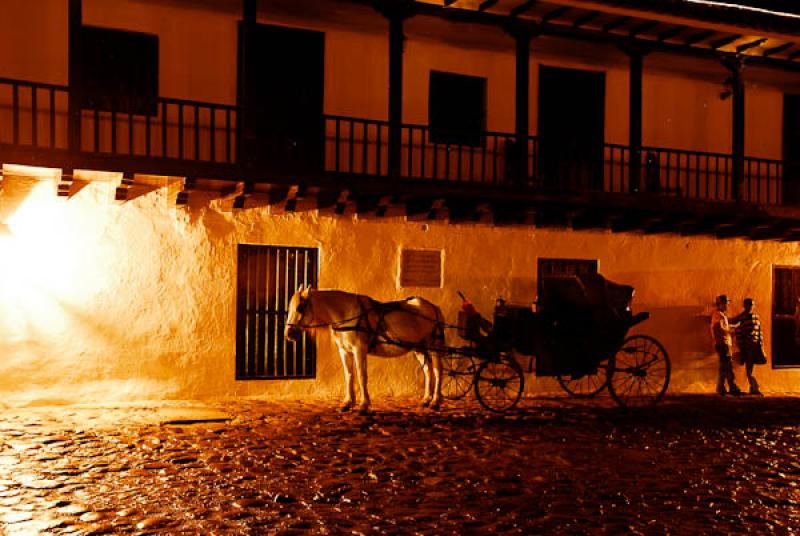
695	464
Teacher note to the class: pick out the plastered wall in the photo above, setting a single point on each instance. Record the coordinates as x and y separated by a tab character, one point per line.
100	300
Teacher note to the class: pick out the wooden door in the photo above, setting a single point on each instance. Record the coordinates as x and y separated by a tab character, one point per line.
283	72
791	149
571	128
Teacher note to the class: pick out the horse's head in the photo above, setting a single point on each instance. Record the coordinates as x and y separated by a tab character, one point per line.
299	314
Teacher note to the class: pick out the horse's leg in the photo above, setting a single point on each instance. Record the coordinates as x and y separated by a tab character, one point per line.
436	365
360	360
424	362
349	394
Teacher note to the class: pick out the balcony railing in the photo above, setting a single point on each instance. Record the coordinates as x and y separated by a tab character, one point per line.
37	115
360	147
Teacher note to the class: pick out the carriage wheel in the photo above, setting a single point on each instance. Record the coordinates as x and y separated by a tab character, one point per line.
639	372
499	383
586	386
458	375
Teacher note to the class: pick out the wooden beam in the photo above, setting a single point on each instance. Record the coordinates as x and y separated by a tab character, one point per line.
463	210
189	184
585	19
556	13
523	8
448	3
719	43
74	59
486	4
586	218
643	28
121	193
672	33
616	23
778	49
794	55
698	37
64	184
751	44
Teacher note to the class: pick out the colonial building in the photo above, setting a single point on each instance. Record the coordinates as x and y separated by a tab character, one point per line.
172	170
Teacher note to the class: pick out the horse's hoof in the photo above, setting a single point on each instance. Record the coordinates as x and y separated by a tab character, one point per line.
435	405
363	411
345	407
426	403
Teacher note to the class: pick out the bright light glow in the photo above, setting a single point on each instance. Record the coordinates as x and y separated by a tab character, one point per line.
39	264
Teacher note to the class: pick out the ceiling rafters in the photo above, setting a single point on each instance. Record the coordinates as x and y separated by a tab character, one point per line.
523	8
719	43
751	44
672	33
556	13
694	43
616	23
586	19
698	37
643	28
778	49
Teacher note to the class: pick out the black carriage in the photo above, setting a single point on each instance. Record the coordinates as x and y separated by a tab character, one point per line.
577	334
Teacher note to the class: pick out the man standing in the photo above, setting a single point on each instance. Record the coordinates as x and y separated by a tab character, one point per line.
750	342
721	333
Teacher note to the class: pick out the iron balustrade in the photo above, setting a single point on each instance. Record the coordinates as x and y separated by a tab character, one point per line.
37	115
360	147
180	129
33	114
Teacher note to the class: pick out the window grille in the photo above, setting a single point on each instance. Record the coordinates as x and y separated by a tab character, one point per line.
268	276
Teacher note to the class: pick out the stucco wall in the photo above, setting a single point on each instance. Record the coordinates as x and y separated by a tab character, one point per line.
103	300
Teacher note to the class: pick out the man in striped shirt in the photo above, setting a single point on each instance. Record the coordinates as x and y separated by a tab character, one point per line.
750	342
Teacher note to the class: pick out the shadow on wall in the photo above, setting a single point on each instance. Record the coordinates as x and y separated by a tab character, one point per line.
684	332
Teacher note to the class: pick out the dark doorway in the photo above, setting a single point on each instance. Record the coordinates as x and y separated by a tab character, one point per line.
785	317
571	128
791	149
282	73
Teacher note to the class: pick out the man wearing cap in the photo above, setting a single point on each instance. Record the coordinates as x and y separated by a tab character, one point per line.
723	342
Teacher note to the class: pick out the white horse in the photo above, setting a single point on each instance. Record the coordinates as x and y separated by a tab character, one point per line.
360	326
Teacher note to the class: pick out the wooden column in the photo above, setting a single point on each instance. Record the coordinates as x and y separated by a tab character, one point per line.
736	81
636	56
522	34
396	39
75	21
244	124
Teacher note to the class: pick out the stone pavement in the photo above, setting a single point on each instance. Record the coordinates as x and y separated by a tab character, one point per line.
694	464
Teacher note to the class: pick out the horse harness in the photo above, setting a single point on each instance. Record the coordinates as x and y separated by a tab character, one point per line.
379	333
